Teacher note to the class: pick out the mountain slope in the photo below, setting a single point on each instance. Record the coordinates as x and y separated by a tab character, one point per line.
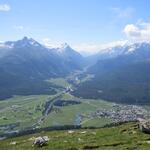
25	64
123	78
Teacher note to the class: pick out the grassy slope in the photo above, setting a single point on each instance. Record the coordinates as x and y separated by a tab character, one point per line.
122	137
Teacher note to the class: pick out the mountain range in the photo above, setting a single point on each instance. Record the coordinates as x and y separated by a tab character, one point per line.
26	64
120	73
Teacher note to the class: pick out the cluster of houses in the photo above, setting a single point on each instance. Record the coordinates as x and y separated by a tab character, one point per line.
121	113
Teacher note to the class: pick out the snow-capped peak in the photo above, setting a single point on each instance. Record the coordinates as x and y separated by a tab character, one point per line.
64	46
22	43
6	45
132	47
29	41
126	49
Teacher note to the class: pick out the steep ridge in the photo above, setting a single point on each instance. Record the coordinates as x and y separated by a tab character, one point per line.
26	64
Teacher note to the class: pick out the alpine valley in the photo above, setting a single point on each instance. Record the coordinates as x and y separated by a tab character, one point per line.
45	88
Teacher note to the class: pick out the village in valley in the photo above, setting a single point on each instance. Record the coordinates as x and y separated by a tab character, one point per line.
120	113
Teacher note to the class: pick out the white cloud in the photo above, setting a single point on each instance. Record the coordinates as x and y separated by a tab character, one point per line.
139	31
4	7
123	13
132	31
18	27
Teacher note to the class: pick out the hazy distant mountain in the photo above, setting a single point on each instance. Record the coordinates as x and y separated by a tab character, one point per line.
121	75
141	49
25	63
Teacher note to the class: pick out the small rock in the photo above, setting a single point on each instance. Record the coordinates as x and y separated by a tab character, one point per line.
83	132
13	143
41	141
148	142
71	131
46	138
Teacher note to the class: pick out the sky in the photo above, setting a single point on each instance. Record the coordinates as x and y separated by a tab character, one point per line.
86	25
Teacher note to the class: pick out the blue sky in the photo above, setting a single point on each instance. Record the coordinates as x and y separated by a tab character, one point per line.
86	25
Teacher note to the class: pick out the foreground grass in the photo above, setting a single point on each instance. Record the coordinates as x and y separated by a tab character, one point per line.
123	137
